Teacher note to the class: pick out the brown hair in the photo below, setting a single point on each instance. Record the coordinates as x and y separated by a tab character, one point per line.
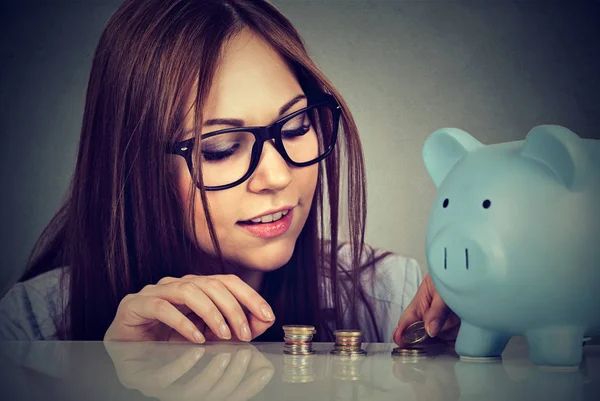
122	224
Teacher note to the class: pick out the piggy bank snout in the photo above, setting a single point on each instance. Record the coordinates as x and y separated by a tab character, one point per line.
460	260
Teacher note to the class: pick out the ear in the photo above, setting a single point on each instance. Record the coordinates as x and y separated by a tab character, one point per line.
561	151
444	148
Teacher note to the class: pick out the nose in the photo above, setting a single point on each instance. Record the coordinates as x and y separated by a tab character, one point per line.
460	260
272	173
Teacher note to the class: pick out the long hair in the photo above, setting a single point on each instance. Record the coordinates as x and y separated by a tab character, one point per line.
122	225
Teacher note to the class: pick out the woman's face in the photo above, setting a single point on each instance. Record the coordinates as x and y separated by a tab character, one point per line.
252	84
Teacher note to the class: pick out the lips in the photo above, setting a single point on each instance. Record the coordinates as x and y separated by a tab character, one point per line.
269	229
268	218
282	210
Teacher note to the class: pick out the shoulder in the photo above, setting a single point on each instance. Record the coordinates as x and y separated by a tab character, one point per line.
30	309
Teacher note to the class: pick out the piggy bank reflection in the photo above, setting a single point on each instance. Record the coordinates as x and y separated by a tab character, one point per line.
502	382
513	240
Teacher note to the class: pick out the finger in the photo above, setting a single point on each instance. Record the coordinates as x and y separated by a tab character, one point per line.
415	309
232	377
257	326
252	385
166	280
248	297
228	305
197	387
449	330
436	316
151	290
147	308
409	316
189	293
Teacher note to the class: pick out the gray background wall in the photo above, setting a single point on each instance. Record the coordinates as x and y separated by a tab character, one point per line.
495	69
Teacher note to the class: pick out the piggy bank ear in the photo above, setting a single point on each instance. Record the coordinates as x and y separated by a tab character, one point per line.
560	150
444	148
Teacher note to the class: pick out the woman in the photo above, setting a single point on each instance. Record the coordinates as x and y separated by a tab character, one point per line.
205	200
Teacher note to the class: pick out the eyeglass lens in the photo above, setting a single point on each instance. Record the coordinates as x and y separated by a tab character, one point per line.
226	157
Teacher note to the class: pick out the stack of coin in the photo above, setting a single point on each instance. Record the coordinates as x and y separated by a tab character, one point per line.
298	339
298	368
412	336
347	342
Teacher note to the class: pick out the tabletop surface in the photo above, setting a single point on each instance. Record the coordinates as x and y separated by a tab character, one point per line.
261	371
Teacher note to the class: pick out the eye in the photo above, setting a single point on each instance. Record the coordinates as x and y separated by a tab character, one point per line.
445	204
296	127
487	203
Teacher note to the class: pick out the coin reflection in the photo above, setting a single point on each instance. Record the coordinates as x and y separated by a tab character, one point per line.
183	372
298	368
347	367
429	380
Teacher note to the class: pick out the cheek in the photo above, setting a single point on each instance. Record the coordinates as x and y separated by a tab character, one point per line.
224	212
307	178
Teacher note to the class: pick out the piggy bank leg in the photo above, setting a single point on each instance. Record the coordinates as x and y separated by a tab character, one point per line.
474	342
556	346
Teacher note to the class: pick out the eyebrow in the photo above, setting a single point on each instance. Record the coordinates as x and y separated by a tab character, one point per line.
237	122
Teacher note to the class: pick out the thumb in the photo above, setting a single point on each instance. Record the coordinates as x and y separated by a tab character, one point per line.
436	316
409	316
257	326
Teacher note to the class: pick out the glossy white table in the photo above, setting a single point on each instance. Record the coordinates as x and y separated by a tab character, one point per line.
260	371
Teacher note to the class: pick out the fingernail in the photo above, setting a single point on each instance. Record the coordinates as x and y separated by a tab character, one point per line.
433	328
198	337
246	336
267	312
224	330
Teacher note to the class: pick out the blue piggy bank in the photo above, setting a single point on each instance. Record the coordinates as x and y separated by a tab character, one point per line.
513	240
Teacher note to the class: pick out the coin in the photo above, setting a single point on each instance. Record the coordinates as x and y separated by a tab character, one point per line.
347	333
348	352
299	329
482	359
408	351
415	333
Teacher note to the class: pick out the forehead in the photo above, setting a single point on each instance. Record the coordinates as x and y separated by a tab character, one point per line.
251	82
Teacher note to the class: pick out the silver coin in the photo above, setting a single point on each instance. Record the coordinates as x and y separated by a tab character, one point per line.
408	351
359	351
415	333
481	359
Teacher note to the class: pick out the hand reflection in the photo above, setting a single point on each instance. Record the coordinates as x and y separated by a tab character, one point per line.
190	372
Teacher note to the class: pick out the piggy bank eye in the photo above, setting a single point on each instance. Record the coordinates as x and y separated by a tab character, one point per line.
487	203
445	204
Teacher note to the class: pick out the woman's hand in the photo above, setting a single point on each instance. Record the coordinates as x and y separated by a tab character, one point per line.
428	306
196	308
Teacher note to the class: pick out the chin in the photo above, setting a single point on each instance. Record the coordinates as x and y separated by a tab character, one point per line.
270	257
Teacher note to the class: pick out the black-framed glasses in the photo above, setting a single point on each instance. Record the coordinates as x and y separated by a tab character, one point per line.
229	156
